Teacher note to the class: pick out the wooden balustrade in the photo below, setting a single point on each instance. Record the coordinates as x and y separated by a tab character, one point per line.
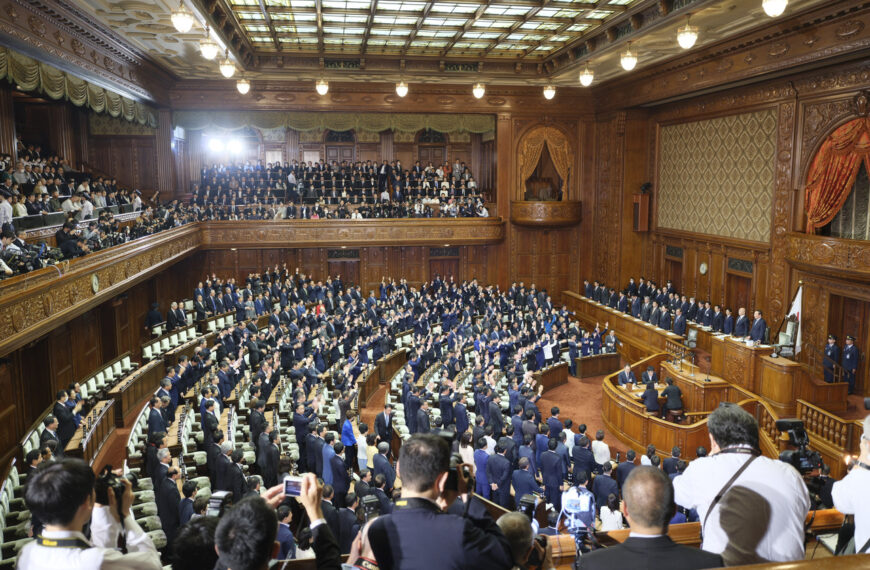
134	389
92	433
369	385
552	376
597	364
830	435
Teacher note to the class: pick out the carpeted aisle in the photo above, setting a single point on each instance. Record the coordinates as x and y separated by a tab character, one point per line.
376	406
580	401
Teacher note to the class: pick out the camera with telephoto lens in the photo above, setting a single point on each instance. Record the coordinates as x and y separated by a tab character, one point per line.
527	506
452	483
801	458
108	482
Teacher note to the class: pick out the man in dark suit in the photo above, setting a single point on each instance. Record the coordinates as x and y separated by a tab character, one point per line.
406	536
669	465
340	478
422	424
603	485
496	418
627	376
168	500
460	415
234	476
759	327
384	424
741	327
523	481
267	459
674	396
257	421
50	434
330	513
648	505
66	424
378	490
552	471
649	375
348	525
185	507
222	465
285	535
581	455
624	468
498	473
728	322
382	466
849	362
832	356
553	423
679	323
156	422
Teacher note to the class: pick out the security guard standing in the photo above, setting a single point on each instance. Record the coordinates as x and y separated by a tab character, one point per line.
832	356
850	362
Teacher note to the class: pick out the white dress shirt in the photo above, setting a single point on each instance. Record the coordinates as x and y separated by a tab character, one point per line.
601	452
103	554
851	498
776	482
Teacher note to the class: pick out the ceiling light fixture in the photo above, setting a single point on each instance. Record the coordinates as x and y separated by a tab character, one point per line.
322	87
243	85
228	68
479	90
549	92
586	76
628	59
687	35
182	19
207	46
401	88
774	8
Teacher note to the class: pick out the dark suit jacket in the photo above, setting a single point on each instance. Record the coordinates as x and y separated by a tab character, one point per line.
340	480
622	471
496	419
234	480
330	515
381	429
422	424
325	545
348	527
66	425
649	553
156	423
185	511
382	465
168	500
602	486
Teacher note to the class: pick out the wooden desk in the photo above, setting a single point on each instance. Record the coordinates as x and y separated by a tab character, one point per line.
134	388
392	363
704	339
598	364
369	385
92	432
552	376
698	394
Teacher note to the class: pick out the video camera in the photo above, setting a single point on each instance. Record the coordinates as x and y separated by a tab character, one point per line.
110	482
801	458
452	483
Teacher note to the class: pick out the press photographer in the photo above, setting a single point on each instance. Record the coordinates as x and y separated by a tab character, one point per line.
62	495
850	495
419	533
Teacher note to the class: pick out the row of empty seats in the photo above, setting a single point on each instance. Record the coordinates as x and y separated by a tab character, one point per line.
157	347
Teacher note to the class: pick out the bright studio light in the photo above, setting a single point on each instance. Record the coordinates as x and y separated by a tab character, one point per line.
235	146
549	92
401	88
243	85
774	8
182	19
216	145
687	35
479	90
628	59
586	76
322	87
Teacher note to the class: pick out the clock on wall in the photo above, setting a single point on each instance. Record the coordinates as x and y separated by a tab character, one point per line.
95	283
703	269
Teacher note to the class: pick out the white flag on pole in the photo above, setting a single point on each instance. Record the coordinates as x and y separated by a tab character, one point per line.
796	313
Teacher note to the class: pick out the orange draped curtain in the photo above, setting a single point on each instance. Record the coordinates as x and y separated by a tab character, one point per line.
833	171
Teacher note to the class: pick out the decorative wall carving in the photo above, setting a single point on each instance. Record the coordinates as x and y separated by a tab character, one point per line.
546	214
848	258
716	176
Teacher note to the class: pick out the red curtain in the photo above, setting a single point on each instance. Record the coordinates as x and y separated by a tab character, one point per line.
833	171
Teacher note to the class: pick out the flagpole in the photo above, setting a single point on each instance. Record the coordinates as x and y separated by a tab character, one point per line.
785	318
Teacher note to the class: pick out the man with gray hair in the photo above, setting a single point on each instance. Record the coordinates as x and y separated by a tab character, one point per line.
222	482
517	528
648	505
850	495
382	466
752	508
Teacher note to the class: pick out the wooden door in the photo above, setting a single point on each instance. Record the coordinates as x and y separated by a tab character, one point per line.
434	154
848	316
675	273
445	268
339	153
348	269
737	293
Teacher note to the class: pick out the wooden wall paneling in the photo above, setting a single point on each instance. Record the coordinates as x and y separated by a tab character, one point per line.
11	424
369	151
374	268
181	161
60	352
386	149
504	182
632	243
404	152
